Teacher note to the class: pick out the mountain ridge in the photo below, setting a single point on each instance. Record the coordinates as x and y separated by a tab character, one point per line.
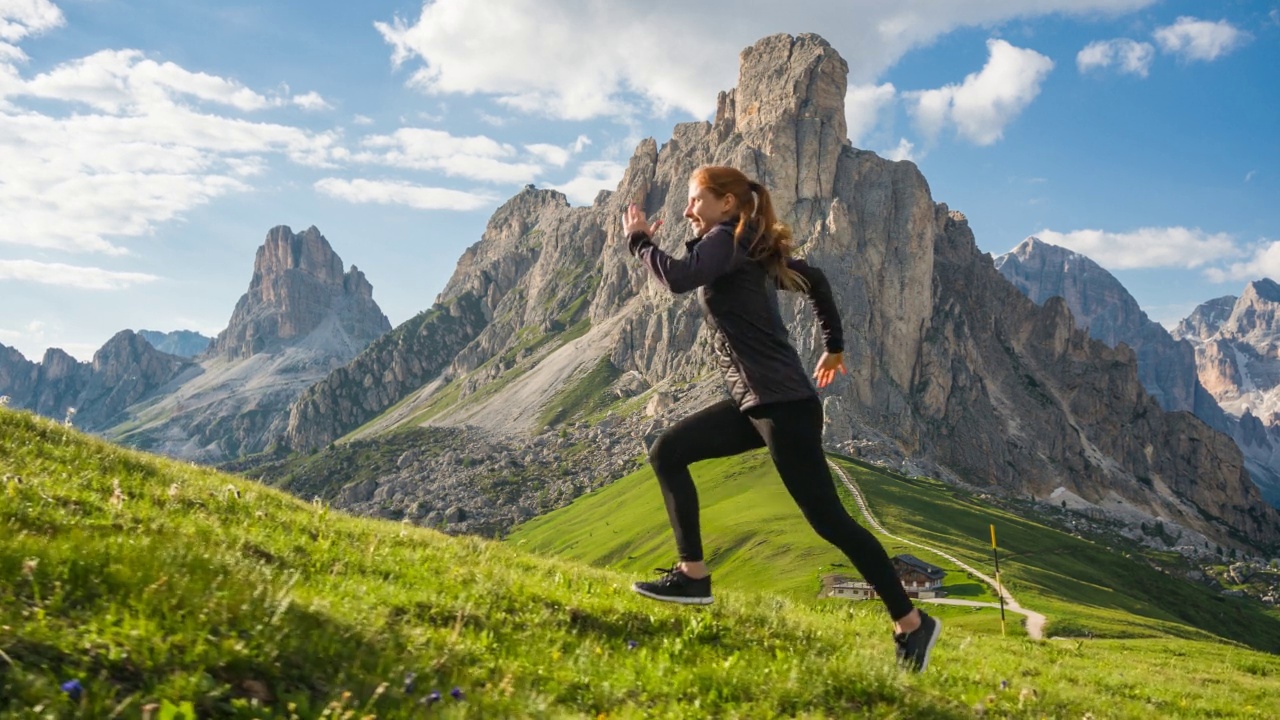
952	370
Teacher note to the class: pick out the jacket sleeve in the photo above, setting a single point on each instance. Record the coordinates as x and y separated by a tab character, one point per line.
707	260
824	304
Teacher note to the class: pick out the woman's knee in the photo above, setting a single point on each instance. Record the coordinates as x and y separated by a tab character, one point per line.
665	453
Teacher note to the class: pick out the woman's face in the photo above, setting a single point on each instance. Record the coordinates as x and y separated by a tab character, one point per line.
705	210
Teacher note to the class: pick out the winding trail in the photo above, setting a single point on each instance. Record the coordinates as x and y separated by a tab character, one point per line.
1035	620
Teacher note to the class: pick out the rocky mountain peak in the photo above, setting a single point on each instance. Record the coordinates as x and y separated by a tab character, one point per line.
1205	321
1255	319
784	79
952	370
308	253
788	107
1265	289
298	282
1098	301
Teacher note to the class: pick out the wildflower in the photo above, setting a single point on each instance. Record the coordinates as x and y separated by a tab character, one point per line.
4	400
1004	684
408	682
430	698
174	489
456	693
632	644
117	495
29	567
71	412
73	689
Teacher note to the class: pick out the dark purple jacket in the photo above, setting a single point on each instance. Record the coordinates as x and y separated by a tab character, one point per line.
737	295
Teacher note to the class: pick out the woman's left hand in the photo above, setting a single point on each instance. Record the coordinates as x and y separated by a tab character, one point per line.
827	366
634	221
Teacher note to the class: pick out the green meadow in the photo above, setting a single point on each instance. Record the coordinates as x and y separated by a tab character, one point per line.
165	589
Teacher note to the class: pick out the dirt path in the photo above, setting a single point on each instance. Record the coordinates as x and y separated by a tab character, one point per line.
1035	620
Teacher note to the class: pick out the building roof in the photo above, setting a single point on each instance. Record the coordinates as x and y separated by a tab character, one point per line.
932	571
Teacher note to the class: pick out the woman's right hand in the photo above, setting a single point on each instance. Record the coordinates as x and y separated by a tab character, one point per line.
634	221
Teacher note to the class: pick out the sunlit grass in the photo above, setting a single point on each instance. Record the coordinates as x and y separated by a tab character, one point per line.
153	582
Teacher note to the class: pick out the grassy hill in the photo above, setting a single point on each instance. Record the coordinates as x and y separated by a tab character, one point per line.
756	540
152	582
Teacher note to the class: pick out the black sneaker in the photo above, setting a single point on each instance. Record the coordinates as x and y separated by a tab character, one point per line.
674	586
914	647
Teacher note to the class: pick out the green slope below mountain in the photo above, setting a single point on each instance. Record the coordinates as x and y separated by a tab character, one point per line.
756	539
152	582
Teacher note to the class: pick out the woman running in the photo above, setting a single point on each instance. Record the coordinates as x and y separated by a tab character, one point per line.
739	253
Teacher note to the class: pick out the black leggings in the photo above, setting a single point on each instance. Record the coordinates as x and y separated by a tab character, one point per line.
793	433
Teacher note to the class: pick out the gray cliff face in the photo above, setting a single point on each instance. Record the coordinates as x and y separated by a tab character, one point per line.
1238	351
17	376
125	370
1168	368
1237	344
302	318
1203	322
1044	405
951	369
1106	310
395	364
298	283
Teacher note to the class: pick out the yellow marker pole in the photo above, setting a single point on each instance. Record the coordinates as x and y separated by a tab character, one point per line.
999	587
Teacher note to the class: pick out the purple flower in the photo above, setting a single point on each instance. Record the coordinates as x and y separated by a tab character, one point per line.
632	644
430	698
456	693
408	681
73	689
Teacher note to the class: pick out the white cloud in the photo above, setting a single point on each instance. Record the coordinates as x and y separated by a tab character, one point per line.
70	183
556	154
125	81
361	120
29	341
575	59
475	157
23	18
1265	262
311	101
987	101
85	278
592	177
904	151
1129	56
551	154
1153	247
1194	39
143	154
864	108
401	193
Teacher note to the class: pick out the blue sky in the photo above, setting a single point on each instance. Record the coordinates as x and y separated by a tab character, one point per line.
147	147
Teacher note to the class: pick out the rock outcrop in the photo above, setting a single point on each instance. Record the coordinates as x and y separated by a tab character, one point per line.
951	369
302	318
1106	310
126	370
298	284
1237	348
1167	367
